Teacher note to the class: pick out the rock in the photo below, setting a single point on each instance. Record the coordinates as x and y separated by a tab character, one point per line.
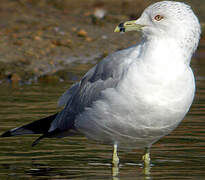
82	33
38	38
89	39
65	43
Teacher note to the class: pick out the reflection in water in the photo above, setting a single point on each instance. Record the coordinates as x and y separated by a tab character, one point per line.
146	171
115	172
180	155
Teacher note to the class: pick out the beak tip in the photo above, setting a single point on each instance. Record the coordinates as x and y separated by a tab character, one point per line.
117	29
129	26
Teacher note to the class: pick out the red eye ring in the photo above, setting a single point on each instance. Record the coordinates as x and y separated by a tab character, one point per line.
158	17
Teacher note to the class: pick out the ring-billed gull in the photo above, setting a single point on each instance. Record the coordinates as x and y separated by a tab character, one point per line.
135	96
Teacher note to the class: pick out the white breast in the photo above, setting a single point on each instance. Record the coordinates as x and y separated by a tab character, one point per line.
148	103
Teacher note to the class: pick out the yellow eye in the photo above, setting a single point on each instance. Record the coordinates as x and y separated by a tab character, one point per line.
158	17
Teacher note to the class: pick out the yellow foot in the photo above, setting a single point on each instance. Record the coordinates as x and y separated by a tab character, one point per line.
146	159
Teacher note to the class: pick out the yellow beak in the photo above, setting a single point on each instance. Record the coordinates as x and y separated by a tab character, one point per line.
129	26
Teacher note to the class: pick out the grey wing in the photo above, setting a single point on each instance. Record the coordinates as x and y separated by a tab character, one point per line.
105	74
67	95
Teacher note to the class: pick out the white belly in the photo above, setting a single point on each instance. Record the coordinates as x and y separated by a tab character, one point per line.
138	114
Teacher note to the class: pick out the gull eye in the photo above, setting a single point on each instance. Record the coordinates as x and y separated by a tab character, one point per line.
158	17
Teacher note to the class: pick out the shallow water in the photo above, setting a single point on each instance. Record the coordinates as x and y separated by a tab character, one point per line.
181	155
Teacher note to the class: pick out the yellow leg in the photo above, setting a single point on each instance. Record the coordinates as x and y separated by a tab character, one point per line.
115	172
146	159
115	162
115	159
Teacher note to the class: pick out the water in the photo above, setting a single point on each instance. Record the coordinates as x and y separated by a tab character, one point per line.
181	155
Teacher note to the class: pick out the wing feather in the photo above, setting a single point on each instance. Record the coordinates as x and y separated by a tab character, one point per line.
106	74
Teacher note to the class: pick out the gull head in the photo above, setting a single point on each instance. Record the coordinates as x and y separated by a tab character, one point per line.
167	19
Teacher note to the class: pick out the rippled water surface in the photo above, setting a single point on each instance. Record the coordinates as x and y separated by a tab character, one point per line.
181	155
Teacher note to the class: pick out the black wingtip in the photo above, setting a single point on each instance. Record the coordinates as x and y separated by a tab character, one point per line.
37	140
6	134
34	143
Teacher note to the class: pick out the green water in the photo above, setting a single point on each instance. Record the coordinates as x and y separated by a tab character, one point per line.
181	155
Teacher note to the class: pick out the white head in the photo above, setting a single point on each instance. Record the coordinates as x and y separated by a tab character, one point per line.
167	19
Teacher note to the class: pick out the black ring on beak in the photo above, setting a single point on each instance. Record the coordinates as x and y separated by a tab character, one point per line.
121	27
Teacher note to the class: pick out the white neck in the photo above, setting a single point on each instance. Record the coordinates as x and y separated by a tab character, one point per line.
163	51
